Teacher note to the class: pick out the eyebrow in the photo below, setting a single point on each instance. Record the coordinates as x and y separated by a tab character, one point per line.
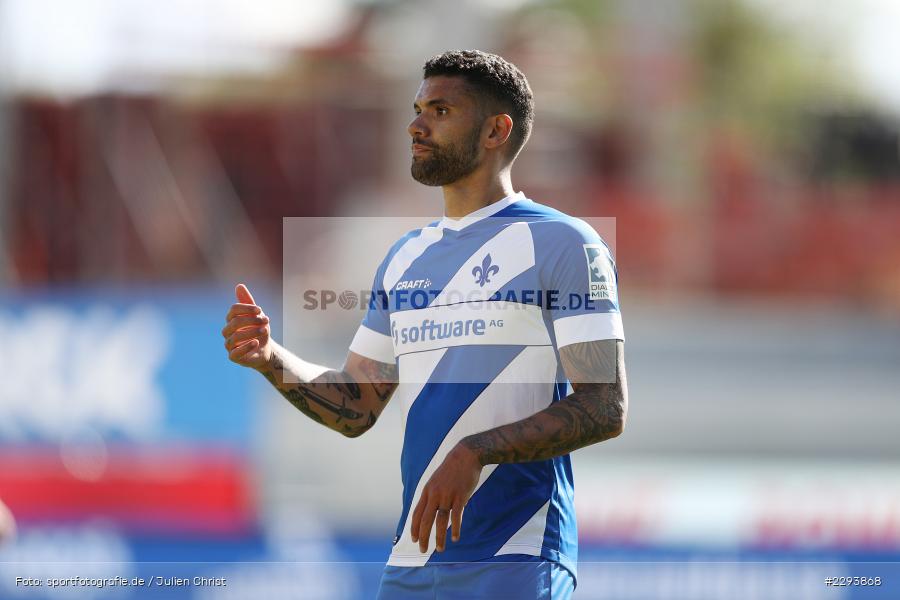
435	101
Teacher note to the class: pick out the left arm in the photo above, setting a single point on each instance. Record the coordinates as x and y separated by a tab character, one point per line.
594	412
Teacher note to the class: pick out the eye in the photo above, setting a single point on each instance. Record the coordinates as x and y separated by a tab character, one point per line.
441	110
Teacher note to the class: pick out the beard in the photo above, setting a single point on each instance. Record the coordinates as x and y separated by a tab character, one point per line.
448	163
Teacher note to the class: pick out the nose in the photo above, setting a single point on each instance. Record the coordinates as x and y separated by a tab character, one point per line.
416	127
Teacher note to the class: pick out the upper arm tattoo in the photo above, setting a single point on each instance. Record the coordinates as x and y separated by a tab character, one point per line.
597	372
591	362
593	413
382	377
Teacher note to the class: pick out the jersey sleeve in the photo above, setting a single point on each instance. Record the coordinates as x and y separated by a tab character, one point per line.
373	338
580	281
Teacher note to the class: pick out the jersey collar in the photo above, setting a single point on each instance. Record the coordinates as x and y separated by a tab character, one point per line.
481	213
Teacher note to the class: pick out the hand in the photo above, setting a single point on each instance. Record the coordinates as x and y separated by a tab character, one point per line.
247	333
445	496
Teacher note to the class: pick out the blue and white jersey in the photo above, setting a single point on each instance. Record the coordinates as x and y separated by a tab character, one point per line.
474	312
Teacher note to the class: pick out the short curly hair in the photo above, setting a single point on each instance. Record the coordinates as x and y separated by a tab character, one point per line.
498	84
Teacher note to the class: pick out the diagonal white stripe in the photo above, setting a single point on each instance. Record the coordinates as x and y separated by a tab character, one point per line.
506	400
408	253
415	371
530	537
511	252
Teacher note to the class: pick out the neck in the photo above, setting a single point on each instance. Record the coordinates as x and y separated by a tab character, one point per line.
475	192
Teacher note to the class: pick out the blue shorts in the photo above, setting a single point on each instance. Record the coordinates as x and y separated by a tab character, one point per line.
535	579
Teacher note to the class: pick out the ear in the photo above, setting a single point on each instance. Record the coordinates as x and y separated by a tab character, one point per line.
500	127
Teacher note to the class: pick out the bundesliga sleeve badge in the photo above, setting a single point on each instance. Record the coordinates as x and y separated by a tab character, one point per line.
601	277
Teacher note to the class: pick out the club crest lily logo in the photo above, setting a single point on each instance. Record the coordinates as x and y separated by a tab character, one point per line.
483	273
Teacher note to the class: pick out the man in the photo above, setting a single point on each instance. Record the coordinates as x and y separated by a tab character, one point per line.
518	299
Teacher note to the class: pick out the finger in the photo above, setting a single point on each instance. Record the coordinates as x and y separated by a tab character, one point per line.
239	353
243	294
235	339
425	526
440	529
417	515
245	321
456	516
245	333
242	309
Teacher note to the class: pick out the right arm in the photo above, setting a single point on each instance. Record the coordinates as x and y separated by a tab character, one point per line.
348	400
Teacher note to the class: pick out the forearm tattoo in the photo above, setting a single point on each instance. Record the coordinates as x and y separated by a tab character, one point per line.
593	413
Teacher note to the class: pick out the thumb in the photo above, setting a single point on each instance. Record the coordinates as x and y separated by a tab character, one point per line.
243	294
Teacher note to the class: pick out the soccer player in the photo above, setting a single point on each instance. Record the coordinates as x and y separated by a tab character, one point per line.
490	415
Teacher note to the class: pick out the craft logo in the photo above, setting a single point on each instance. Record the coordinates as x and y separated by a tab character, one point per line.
413	284
601	278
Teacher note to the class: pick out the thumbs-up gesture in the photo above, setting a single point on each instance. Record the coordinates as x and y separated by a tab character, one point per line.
247	332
